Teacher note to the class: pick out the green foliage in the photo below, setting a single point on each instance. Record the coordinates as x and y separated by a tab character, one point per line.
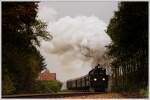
40	32
144	92
47	86
8	86
128	30
21	35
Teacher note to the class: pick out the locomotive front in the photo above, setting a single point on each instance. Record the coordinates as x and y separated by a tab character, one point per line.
98	79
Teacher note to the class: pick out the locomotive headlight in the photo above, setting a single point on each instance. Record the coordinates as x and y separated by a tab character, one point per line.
103	79
95	79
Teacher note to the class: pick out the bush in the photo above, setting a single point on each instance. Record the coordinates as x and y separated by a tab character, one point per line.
144	93
7	85
47	86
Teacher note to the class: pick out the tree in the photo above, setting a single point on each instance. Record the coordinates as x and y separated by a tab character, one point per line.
128	30
21	33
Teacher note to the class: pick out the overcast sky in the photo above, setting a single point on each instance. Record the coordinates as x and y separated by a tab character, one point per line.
75	26
102	9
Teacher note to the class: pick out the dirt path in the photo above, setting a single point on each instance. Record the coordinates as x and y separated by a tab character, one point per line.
105	95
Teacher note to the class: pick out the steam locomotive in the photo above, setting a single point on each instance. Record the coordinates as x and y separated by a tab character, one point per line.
95	80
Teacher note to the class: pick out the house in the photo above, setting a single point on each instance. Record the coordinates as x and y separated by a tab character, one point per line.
46	75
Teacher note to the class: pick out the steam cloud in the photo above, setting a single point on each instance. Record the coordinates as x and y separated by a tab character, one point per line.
78	44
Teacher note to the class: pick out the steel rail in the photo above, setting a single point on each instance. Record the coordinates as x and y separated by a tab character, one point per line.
50	95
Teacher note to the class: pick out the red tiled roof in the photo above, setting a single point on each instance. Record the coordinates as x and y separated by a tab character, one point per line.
46	75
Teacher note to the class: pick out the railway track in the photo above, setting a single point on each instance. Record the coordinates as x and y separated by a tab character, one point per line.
51	95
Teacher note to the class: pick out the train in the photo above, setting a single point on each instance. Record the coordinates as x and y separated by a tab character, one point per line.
96	80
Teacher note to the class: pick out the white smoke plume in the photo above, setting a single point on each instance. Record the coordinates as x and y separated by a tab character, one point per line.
78	44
